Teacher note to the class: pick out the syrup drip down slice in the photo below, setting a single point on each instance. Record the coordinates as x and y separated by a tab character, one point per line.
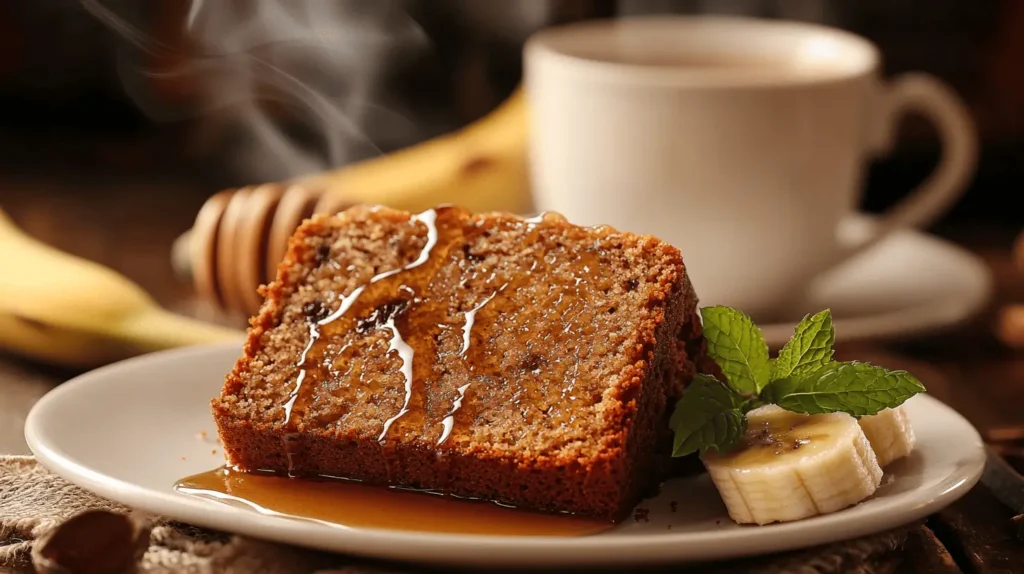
429	327
392	301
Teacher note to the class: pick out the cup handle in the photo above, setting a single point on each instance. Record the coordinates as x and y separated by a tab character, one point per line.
926	95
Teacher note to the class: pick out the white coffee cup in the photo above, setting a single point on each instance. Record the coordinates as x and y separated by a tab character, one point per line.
741	141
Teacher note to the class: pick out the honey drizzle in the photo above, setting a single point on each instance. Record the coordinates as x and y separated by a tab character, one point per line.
397	344
314	334
400	301
370	302
467	328
426	316
428	218
449	420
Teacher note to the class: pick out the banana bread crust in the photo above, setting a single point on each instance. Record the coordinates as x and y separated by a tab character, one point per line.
556	399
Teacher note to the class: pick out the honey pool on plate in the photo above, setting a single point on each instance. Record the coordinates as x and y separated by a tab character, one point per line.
354	505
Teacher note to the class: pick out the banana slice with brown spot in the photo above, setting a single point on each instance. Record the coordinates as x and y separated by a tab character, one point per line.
791	466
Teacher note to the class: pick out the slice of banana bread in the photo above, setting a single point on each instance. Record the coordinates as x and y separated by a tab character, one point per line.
526	361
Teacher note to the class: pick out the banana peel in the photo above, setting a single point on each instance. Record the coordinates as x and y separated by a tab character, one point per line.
62	309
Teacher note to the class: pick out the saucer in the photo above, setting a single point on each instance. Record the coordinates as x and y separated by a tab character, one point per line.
910	284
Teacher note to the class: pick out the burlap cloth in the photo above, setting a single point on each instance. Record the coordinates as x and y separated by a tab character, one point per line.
33	502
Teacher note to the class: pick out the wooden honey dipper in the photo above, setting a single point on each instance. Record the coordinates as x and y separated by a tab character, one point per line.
240	235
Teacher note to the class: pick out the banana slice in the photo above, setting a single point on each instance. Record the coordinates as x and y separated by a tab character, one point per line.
792	466
890	434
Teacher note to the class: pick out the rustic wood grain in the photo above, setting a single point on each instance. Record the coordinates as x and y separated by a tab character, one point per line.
924	553
979	533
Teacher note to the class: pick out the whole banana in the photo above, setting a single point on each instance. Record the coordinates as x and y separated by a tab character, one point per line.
66	310
482	167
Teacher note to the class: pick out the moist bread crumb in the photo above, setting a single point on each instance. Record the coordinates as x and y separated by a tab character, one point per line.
529	362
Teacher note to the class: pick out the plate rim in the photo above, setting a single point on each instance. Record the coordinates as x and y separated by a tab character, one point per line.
433	548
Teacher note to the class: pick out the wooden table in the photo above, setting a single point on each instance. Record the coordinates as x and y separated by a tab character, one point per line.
129	226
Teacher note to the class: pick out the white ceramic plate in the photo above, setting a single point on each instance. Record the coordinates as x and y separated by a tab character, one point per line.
910	283
129	431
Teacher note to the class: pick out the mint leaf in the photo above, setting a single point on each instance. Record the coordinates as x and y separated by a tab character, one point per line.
708	416
736	344
809	349
855	388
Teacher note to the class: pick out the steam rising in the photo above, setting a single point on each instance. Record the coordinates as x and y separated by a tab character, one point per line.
260	61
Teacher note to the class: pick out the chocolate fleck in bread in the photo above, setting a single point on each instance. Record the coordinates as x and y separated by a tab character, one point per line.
531	362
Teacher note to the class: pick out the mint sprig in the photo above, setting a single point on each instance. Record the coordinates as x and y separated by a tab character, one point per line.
738	346
711	415
855	388
810	347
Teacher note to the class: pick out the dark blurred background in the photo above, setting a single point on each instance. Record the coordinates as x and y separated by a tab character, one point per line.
210	94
